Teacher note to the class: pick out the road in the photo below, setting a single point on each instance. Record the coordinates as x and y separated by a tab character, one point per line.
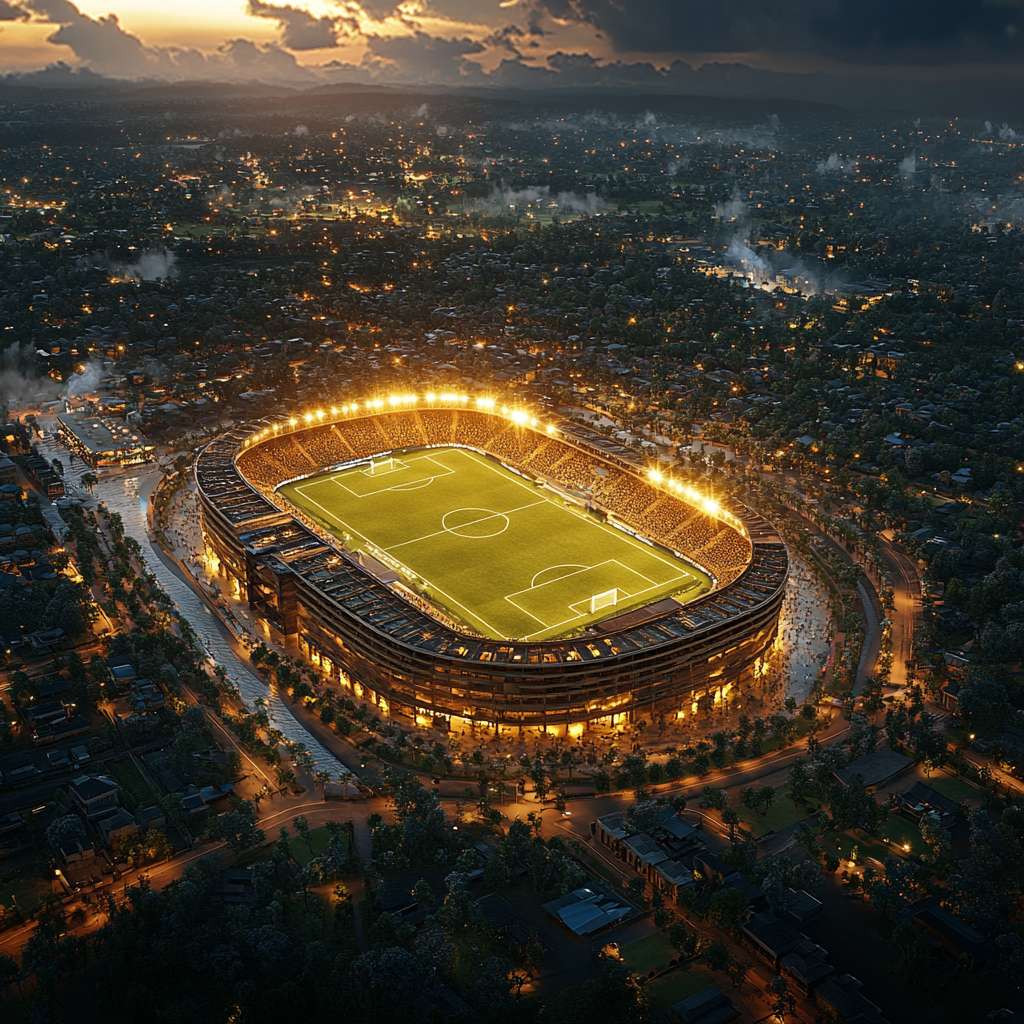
906	614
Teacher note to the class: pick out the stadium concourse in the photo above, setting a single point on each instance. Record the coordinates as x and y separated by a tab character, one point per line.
375	622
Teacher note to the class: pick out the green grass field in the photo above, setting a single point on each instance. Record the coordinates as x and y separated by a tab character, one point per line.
502	555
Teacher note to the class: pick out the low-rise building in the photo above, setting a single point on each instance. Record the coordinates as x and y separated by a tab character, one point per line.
103	442
708	1006
960	942
839	999
94	795
875	769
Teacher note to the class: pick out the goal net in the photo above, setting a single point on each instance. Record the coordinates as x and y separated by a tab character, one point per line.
606	600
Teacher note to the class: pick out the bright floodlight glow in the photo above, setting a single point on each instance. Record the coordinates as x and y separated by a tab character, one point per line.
430	396
519	417
394	400
293	421
308	417
334	410
550	428
378	403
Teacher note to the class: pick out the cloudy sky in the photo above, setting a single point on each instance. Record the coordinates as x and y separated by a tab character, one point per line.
814	49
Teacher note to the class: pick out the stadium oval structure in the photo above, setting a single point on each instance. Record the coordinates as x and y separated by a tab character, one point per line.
375	636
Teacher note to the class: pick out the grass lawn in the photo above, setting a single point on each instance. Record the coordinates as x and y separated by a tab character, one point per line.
526	900
677	985
904	833
300	852
897	829
595	864
953	788
498	553
130	779
780	815
652	953
25	886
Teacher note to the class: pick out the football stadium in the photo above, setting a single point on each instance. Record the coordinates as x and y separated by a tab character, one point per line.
453	560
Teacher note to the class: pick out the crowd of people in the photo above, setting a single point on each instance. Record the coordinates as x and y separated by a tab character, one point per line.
634	501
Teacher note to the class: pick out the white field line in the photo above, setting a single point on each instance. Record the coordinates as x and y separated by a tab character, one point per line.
336	480
461	526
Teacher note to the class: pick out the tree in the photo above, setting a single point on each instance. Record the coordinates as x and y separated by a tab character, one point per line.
712	798
61	829
783	1003
913	956
800	783
386	980
635	887
731	818
301	826
238	828
636	772
682	938
750	797
728	907
89	480
613	998
539	775
643	816
423	894
935	837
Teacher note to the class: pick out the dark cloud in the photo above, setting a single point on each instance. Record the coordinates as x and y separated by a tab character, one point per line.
300	30
910	30
425	58
8	12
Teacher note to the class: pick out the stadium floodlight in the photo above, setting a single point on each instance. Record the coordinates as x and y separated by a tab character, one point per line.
519	417
608	599
430	396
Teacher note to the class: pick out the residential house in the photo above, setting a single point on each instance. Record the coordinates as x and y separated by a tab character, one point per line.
921	800
840	1000
118	827
94	795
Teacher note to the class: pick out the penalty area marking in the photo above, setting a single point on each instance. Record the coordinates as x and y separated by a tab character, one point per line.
363	477
573	568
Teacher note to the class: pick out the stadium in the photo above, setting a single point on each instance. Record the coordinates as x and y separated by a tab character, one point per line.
453	561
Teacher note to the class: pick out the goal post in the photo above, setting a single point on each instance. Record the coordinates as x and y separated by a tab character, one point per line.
381	466
608	599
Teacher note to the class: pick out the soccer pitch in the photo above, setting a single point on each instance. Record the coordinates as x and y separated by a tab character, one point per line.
506	557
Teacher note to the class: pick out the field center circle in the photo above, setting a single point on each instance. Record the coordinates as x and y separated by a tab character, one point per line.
475	523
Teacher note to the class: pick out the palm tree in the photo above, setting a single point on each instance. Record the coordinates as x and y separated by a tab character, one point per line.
89	480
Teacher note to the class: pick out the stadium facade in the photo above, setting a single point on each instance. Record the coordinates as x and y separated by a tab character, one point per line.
385	644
